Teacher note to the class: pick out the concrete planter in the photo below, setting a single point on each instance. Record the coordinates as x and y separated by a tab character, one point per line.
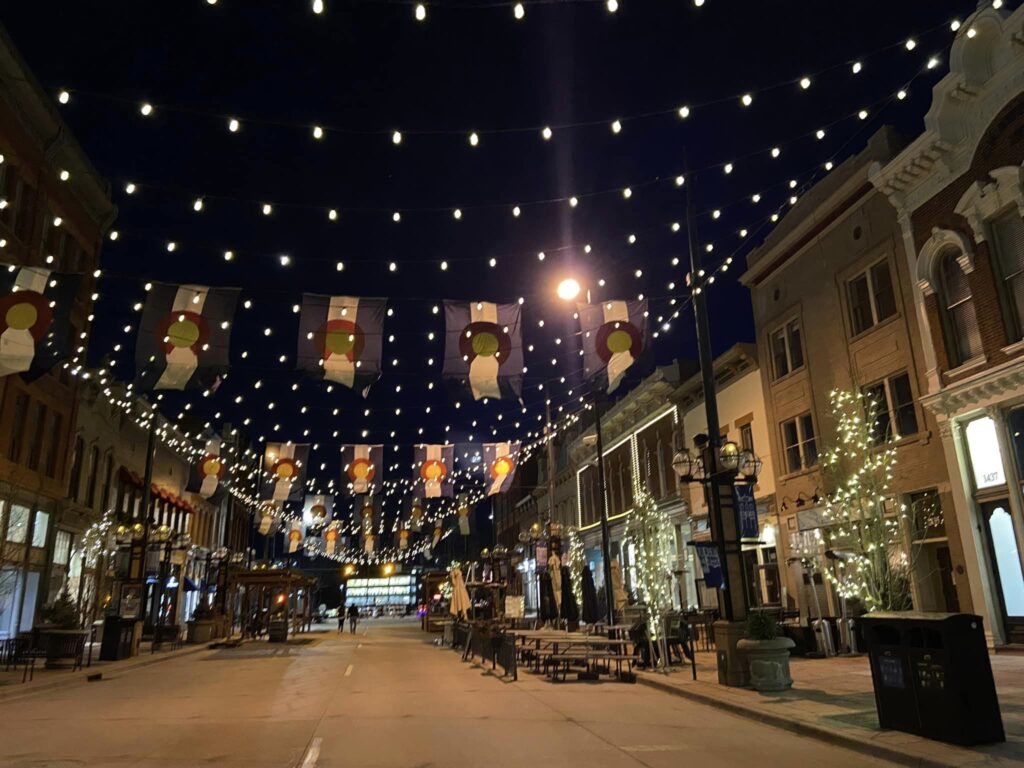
200	630
769	663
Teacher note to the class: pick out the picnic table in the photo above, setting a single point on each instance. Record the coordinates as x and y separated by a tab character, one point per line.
554	652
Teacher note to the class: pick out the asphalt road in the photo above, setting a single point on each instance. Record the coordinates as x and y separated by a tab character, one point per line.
384	697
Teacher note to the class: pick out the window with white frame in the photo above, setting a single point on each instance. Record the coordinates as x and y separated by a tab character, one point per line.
894	410
798	443
960	320
787	349
1008	236
40	529
871	297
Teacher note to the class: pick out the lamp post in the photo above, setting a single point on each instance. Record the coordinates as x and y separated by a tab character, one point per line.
722	513
568	289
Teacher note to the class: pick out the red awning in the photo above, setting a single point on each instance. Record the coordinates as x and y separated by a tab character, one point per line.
132	479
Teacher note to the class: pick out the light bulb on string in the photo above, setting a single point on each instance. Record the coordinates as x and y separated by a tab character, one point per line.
421	12
519	11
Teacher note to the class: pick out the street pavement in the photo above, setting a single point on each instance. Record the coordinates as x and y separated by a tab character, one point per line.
383	697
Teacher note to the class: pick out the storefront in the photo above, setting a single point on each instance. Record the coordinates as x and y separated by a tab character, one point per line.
986	448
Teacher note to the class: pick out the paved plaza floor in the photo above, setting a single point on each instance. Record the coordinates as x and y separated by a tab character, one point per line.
384	697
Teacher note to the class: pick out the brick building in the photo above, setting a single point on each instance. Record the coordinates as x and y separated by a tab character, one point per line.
958	190
834	309
54	212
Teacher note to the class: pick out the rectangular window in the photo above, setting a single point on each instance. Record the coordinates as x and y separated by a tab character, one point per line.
1008	234
53	444
62	548
747	437
40	529
17	426
17	527
35	435
871	297
894	410
799	443
787	349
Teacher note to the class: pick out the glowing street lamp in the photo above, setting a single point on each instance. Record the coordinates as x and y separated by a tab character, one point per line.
568	289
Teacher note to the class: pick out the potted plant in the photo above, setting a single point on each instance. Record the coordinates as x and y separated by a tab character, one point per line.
60	635
767	653
200	628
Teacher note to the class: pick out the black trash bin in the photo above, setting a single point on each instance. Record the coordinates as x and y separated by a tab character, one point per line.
118	638
932	676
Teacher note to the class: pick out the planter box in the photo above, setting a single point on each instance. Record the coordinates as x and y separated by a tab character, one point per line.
769	663
200	630
63	647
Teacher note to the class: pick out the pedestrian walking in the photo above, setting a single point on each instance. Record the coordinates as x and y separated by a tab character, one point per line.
353	618
341	619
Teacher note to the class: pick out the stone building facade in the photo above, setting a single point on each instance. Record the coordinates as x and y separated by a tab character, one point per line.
958	191
834	309
54	212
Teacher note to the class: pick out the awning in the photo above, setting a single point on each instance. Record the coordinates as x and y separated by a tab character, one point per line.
158	492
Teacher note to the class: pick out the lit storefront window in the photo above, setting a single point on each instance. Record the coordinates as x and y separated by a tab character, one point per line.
983	446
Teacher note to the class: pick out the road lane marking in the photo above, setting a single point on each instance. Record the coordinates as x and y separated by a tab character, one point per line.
312	754
348	670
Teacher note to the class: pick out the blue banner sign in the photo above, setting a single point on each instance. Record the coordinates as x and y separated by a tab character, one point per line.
746	509
710	563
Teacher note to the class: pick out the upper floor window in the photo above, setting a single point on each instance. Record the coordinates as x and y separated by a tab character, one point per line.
75	480
53	445
787	349
36	432
21	403
94	468
1008	235
894	409
960	321
16	202
747	437
871	297
799	443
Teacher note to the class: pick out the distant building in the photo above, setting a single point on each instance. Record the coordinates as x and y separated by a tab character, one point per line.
834	309
56	223
958	190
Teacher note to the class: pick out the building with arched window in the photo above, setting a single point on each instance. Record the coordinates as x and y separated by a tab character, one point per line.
959	194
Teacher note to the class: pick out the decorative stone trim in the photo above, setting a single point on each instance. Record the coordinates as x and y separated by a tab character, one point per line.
979	203
928	258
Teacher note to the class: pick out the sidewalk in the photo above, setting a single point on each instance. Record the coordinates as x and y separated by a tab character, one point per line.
833	700
44	679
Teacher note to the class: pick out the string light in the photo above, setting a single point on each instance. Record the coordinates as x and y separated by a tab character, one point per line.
421	12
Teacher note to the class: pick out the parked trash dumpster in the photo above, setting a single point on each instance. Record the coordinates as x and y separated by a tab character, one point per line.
932	676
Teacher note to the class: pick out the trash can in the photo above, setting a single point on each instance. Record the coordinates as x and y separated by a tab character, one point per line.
119	638
932	676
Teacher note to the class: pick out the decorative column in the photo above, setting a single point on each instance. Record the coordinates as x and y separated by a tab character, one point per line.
1012	475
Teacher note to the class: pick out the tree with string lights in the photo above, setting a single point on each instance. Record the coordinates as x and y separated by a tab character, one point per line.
870	533
650	531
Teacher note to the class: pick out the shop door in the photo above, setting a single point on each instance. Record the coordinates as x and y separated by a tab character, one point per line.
1005	559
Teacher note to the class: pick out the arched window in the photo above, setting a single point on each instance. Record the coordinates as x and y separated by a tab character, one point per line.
960	321
76	469
94	470
108	478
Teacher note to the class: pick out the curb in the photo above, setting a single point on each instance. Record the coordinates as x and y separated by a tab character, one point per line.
20	690
810	730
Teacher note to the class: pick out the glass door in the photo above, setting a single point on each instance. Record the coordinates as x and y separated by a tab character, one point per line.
1005	558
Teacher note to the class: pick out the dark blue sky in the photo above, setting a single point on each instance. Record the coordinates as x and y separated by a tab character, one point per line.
363	69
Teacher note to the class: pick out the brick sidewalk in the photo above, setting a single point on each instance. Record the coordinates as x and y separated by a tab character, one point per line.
833	700
48	679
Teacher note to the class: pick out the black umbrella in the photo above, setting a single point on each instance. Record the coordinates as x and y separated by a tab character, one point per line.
591	610
570	611
548	607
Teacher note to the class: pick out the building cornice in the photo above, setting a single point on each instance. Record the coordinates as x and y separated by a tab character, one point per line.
1004	381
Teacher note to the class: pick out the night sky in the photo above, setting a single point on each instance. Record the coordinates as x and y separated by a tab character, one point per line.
364	69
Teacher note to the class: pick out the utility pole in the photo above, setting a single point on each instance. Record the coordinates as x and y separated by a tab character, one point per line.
550	429
147	483
606	555
722	514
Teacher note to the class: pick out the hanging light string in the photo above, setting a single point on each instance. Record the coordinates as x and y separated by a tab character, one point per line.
235	121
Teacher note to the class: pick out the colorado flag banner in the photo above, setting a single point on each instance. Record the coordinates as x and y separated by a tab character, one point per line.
484	348
35	319
183	336
362	469
284	471
500	461
317	511
614	336
340	339
434	464
206	475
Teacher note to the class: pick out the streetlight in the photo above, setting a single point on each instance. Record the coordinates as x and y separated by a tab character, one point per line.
568	289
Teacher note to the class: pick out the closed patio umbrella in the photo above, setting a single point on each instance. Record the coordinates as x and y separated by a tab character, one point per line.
618	591
570	611
591	610
548	609
460	597
555	569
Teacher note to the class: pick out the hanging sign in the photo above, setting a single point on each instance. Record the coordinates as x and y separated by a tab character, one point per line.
710	563
746	509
